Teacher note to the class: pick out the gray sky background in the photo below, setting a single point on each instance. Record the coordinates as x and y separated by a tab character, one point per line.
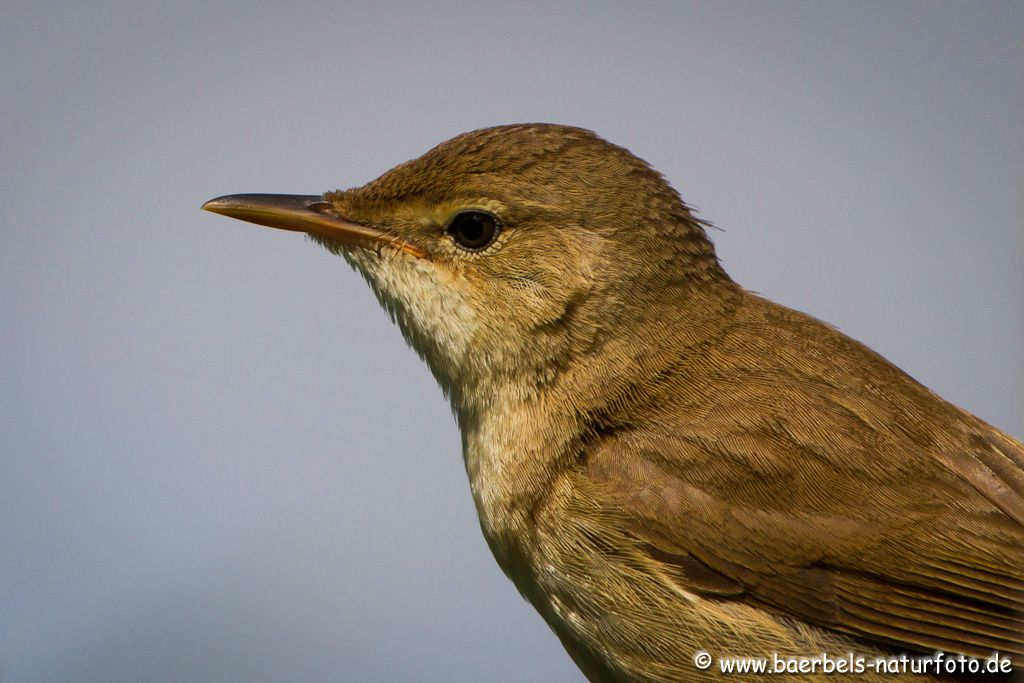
219	461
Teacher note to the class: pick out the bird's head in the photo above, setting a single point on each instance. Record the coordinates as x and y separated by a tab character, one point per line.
509	252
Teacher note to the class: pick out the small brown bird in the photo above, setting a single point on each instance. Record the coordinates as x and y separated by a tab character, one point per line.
675	471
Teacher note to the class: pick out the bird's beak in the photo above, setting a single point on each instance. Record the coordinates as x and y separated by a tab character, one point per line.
303	213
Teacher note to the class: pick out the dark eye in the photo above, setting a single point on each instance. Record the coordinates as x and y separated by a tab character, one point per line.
473	230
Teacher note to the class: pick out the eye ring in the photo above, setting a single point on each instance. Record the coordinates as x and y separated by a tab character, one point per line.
473	230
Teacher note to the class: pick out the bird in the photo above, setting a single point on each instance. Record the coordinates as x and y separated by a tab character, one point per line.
676	472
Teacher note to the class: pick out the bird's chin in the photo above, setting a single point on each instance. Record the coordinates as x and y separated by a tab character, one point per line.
438	321
339	247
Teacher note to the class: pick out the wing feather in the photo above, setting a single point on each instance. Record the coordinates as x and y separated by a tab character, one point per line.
819	481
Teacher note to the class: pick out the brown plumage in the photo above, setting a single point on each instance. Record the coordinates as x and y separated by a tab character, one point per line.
663	462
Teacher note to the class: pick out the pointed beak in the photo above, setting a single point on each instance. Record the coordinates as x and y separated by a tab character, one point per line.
310	214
